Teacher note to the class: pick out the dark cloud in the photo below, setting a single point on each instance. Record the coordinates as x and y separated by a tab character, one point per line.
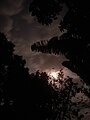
6	24
23	30
26	27
10	7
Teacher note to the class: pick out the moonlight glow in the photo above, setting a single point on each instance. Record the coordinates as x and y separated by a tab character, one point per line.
54	78
54	75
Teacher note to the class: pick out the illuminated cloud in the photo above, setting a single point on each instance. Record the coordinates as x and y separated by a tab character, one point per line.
23	30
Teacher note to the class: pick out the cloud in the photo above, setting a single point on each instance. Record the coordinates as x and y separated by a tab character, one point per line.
45	62
23	30
26	27
26	31
6	24
10	7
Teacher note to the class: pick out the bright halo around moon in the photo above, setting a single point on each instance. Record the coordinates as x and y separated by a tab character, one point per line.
54	74
55	78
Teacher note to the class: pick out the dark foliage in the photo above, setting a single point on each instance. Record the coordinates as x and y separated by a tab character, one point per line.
13	82
22	95
29	96
73	48
42	97
45	10
75	44
51	104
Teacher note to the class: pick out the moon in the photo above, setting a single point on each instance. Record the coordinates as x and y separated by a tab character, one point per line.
54	75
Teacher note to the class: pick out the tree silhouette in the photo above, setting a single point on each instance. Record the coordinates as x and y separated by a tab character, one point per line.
30	96
13	82
73	48
41	96
50	102
45	11
75	43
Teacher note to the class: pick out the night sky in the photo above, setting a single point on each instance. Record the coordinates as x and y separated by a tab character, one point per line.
23	30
